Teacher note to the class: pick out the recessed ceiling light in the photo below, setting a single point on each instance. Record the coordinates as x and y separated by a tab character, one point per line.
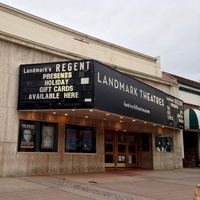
86	117
133	120
121	117
91	110
54	113
107	114
124	130
121	121
66	114
145	122
73	110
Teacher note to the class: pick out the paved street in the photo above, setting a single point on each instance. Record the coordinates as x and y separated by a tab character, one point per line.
129	184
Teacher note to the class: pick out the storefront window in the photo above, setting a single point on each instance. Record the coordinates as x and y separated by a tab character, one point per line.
164	143
108	148
80	139
121	138
108	137
131	138
37	136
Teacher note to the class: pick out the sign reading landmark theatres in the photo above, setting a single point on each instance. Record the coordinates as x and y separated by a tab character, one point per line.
121	94
91	84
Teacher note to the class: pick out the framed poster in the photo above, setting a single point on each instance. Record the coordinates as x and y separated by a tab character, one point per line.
47	137
27	140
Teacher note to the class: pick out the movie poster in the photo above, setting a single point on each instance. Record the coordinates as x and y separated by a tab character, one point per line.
71	139
87	140
47	137
27	136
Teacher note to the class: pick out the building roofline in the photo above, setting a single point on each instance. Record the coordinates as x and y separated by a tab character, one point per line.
79	36
183	81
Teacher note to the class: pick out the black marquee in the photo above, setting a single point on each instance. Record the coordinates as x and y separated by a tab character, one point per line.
91	84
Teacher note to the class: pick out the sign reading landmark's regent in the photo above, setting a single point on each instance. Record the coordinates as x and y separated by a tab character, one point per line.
91	84
56	85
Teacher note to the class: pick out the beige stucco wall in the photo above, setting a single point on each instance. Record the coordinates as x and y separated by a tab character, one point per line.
14	163
169	160
60	162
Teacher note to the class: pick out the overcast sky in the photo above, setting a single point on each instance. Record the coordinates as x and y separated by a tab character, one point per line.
166	28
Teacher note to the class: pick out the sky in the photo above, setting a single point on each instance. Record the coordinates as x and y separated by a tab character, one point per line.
169	29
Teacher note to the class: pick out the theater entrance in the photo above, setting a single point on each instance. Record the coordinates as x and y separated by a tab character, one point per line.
120	149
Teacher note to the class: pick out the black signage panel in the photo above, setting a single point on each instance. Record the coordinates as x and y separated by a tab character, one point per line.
175	112
57	85
121	94
91	84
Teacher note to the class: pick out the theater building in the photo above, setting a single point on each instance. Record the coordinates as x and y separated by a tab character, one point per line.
74	103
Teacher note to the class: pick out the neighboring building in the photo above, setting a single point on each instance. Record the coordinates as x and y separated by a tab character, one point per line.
88	105
189	92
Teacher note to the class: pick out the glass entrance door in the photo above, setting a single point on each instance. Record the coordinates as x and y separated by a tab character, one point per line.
120	149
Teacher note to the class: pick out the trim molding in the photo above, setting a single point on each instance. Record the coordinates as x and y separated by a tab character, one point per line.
72	56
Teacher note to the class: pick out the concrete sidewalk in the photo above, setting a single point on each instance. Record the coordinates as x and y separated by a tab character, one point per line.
129	184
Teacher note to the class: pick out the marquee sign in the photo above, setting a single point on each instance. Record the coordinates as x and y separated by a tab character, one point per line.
91	84
56	86
121	94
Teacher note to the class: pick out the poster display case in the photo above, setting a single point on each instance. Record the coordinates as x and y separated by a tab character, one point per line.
35	136
80	139
164	143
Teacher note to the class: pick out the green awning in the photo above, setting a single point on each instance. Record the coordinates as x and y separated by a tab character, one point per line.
192	119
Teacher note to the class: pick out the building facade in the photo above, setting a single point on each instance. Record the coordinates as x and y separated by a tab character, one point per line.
74	103
189	92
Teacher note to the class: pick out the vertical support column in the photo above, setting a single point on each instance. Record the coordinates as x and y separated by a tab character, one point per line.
197	192
182	142
198	146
